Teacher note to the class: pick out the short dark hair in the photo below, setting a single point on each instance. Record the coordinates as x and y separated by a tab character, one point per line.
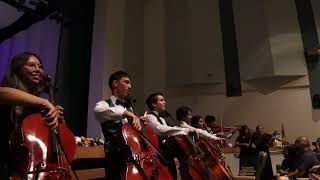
152	98
209	119
116	76
182	112
195	120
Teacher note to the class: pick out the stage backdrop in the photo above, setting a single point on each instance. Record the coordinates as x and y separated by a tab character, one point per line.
41	38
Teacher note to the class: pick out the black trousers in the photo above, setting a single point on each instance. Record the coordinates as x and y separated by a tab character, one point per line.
170	150
116	157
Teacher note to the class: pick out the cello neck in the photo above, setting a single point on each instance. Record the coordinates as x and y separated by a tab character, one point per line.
49	87
55	141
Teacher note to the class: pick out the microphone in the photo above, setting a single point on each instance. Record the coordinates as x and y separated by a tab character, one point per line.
46	84
46	78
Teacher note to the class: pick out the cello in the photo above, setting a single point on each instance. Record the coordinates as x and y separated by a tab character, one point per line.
214	159
47	155
194	162
201	163
144	163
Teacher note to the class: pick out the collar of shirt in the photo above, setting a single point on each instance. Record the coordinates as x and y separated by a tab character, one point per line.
161	118
183	123
114	99
156	112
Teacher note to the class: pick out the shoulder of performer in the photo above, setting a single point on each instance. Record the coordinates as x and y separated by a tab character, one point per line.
149	117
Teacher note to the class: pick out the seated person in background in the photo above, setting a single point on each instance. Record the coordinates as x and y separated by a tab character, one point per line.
305	159
184	116
214	127
246	157
197	122
288	163
317	146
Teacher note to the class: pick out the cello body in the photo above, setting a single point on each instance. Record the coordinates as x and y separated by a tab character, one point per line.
203	160
143	155
194	161
212	148
214	160
42	161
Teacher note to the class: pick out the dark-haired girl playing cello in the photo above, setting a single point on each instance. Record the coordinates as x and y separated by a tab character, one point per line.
19	97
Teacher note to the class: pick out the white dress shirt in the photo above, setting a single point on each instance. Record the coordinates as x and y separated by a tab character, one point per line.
104	112
202	133
163	129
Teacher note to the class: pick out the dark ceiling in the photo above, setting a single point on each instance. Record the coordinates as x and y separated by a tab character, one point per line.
18	15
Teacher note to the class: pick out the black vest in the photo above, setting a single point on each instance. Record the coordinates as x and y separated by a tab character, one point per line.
112	130
160	138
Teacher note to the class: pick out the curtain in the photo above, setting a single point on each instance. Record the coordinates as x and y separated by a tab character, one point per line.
41	38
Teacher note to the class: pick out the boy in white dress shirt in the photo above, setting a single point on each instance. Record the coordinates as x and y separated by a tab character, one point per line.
111	114
168	146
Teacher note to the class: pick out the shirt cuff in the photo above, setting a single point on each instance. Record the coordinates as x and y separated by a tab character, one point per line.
186	130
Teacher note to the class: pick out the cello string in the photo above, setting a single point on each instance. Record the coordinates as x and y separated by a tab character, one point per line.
64	154
157	152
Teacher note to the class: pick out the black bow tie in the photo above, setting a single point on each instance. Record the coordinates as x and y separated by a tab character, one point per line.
122	103
119	102
125	104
